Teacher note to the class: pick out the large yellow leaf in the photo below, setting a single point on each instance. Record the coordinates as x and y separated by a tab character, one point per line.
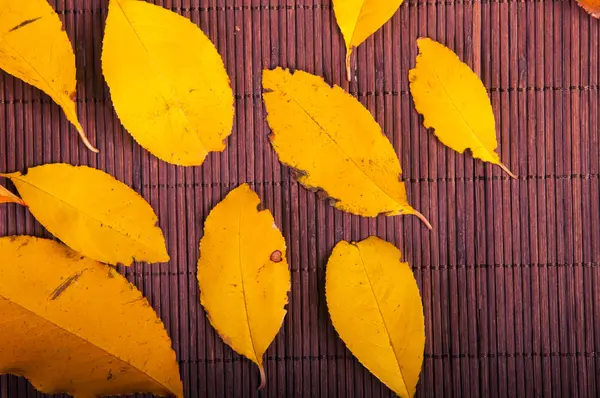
591	6
8	197
454	102
335	143
359	19
167	82
374	303
71	324
243	274
35	48
93	213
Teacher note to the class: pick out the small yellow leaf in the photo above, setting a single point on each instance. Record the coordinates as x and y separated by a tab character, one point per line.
375	307
92	213
35	48
591	6
243	274
71	324
454	102
8	197
167	82
359	19
335	143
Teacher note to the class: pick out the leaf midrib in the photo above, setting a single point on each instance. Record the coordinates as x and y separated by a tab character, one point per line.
382	317
464	120
242	277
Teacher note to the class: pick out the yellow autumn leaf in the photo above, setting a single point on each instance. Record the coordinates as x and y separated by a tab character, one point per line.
335	143
74	325
243	274
359	19
8	197
35	48
375	307
454	102
591	6
167	81
92	213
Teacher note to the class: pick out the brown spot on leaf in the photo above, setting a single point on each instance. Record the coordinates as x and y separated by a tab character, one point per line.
24	23
276	256
60	289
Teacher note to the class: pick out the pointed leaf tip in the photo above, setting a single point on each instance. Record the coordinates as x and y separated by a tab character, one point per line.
8	197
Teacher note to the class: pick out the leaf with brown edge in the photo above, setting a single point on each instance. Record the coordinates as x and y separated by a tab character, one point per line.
71	324
454	102
334	144
243	274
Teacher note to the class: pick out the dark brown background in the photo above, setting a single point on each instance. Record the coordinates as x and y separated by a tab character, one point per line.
509	273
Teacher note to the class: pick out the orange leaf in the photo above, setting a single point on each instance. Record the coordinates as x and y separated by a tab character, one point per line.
8	197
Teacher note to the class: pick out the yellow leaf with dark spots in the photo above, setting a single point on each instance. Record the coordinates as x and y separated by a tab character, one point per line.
243	274
35	48
454	102
375	307
335	144
167	81
92	213
74	325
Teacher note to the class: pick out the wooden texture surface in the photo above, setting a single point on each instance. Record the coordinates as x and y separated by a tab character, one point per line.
509	276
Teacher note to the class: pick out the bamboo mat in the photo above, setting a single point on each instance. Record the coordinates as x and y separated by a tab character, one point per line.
509	274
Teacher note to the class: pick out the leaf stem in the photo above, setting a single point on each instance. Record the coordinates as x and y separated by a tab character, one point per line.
423	219
348	69
503	167
85	140
263	377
